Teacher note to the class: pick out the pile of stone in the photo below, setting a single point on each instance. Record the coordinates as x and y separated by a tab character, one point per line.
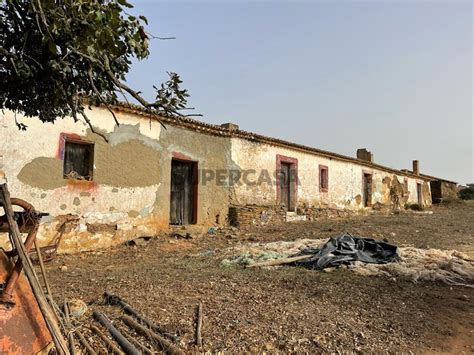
249	215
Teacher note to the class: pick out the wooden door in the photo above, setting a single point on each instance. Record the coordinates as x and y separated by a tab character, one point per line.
419	194
367	190
285	185
182	193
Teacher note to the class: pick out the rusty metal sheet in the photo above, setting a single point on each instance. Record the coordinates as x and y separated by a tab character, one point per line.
22	327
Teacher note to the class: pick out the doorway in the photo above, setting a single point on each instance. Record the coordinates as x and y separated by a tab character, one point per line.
287	185
419	194
285	197
367	189
183	199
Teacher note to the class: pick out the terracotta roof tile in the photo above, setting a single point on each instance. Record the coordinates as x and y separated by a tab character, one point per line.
217	130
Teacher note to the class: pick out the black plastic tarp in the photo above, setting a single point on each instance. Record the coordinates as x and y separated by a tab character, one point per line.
346	249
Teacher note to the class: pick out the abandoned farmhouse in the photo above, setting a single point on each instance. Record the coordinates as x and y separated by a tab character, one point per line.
149	176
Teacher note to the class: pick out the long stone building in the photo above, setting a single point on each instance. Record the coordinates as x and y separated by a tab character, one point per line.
149	176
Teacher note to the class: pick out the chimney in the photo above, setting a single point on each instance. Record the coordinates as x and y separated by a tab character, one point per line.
416	167
364	154
230	126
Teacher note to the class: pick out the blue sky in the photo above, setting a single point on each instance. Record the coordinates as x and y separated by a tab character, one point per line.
392	76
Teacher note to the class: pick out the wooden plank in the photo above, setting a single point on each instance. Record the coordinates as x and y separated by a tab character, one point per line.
43	270
280	261
199	326
70	336
85	343
164	344
117	301
127	347
106	340
182	193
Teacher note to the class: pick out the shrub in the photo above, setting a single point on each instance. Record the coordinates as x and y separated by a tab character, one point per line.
467	193
414	207
452	201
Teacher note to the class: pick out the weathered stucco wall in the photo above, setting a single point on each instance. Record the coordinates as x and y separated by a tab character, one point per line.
345	179
449	190
129	194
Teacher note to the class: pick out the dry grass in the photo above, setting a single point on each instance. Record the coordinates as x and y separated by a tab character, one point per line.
286	309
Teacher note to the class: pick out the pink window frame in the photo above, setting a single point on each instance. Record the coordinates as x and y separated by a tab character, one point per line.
323	168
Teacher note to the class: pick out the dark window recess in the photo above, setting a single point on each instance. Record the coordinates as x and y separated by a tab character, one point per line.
323	178
78	160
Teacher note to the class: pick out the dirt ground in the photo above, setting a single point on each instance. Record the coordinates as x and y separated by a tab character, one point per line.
284	309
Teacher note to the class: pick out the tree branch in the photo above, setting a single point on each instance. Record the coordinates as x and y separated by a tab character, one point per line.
133	93
7	53
121	85
92	128
161	38
91	79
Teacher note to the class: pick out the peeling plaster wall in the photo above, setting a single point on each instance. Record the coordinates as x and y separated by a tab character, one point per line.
131	185
345	179
449	190
130	192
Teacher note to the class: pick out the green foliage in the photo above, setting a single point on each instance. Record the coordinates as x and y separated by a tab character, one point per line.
467	193
56	53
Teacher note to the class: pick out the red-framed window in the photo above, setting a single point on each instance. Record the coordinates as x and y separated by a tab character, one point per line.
77	155
78	162
323	178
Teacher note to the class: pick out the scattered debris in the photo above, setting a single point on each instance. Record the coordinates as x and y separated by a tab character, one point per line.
117	301
276	262
412	264
346	249
177	235
119	338
106	340
140	241
251	253
76	307
85	343
70	336
160	341
449	266
284	309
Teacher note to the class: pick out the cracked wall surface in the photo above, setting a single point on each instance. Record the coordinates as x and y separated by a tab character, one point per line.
345	180
129	194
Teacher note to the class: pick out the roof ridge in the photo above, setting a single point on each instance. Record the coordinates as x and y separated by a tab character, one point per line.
216	129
